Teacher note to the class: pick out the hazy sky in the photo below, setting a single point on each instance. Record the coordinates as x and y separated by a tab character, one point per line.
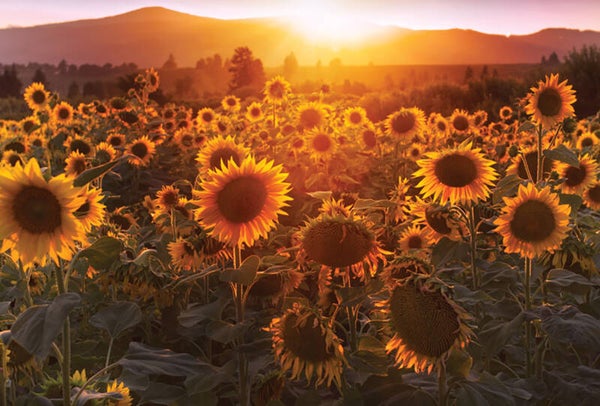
490	16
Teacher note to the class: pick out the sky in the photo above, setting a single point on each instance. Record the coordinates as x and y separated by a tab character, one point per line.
490	16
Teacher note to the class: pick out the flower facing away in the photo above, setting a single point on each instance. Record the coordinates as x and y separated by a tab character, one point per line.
551	102
305	344
38	214
456	175
241	203
533	221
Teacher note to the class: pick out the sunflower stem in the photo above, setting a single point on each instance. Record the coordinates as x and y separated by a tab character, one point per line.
473	240
540	155
61	284
239	306
442	388
528	268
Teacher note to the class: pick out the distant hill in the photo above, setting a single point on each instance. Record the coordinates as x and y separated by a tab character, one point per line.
147	36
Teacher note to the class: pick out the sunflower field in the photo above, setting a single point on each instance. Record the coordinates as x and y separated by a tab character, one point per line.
286	250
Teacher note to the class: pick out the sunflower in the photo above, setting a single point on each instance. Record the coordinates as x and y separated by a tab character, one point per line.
305	344
321	144
12	158
440	125
91	212
368	137
479	118
122	391
551	102
406	123
104	153
30	124
184	139
456	175
577	178
141	151
205	117
222	124
533	221
36	96
38	214
413	238
591	195
268	288
219	151
254	112
152	80
79	144
587	139
276	89
37	140
18	145
75	163
355	117
116	140
62	113
437	221
240	203
311	115
402	267
525	164
231	103
414	151
425	323
167	197
196	250
460	121
121	219
505	113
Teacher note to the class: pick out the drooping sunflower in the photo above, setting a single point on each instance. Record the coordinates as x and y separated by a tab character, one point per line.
460	121
550	102
277	89
437	221
38	214
587	139
578	178
75	163
254	112
355	117
311	115
36	96
269	288
196	250
591	196
152	80
231	103
321	144
218	151
369	137
305	344
240	203
402	267
62	113
426	324
523	167
91	213
456	175
406	123
141	151
533	221
413	238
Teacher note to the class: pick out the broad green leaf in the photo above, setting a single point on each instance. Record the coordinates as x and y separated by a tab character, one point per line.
488	390
159	393
575	201
117	318
207	382
224	332
103	252
571	327
526	127
90	396
89	175
569	281
37	327
320	195
198	313
246	273
496	337
563	154
507	186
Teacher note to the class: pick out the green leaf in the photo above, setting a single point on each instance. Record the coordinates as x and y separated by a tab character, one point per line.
488	390
575	201
89	395
89	175
571	327
321	195
563	154
507	186
141	359
117	318
373	204
246	273
198	313
37	327
569	281
446	249
526	127
159	393
496	337
224	332
103	252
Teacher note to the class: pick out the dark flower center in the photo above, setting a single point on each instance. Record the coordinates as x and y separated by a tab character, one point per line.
223	155
310	118
461	123
39	97
455	170
207	116
594	194
415	242
307	342
140	150
355	117
369	138
549	102
16	146
242	199
403	122
437	219
575	176
322	143
533	221
276	90
37	210
80	146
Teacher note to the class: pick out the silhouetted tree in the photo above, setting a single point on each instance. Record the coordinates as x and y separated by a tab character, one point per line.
468	73
553	59
290	66
73	91
170	63
582	69
10	85
246	70
39	76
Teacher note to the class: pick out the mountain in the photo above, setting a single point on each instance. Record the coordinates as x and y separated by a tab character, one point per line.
148	36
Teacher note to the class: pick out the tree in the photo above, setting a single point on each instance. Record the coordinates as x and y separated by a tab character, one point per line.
246	70
290	66
468	73
170	63
10	85
582	69
73	91
39	76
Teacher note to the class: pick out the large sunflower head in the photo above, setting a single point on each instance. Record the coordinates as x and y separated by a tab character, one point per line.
305	344
550	102
424	322
533	221
406	123
38	214
456	175
36	96
240	203
578	178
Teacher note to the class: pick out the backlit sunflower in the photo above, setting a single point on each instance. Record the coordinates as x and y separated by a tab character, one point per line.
75	163
167	197
120	389
440	126
277	89
254	112
36	96
305	344
550	102
152	80
355	117
91	212
141	151
456	175
321	144
528	166
425	323
240	203
268	288
577	178
62	113
402	267
591	196
413	238
38	214
196	250
104	153
12	158
218	151
79	144
406	123
533	221
505	113
116	140
414	151
479	118
205	117
30	124
184	139
37	140
368	137
438	221
460	121
231	103
311	115
587	139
